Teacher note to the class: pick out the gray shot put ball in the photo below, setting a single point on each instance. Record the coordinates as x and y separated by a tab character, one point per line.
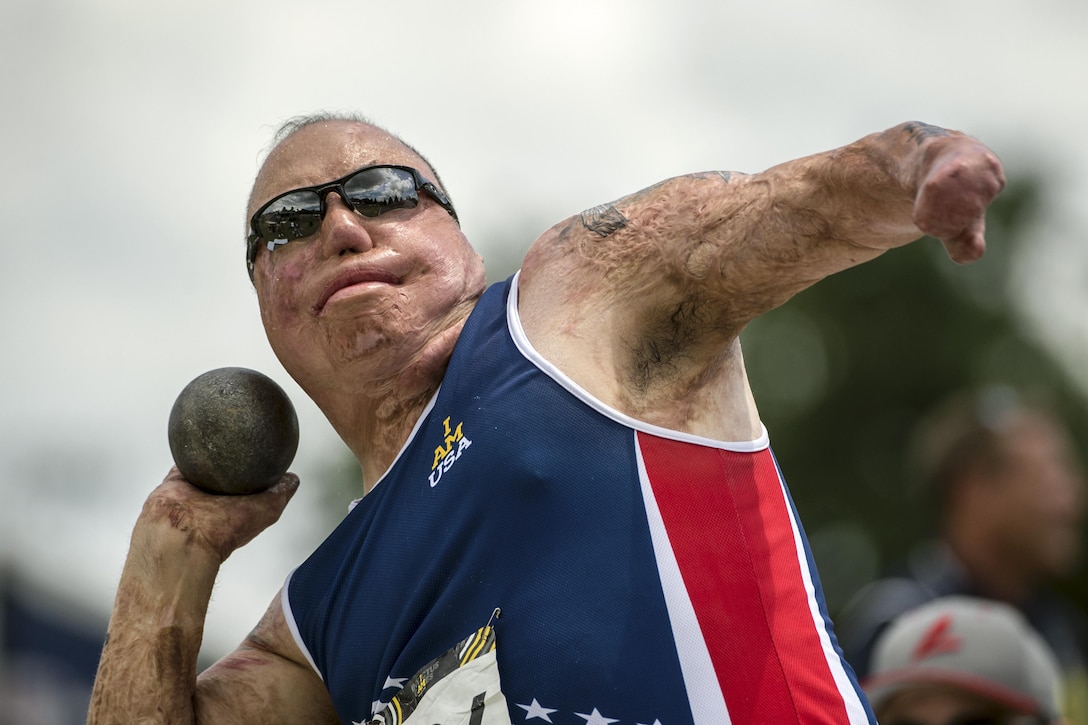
233	431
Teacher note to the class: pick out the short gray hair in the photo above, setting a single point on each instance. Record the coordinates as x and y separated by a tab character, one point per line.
297	123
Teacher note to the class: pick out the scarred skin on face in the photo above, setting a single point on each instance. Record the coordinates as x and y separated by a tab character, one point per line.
365	313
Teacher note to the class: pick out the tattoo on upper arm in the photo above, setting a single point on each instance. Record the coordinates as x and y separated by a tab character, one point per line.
603	220
607	219
918	131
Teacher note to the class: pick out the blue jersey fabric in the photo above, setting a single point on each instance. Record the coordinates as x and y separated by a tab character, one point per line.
512	493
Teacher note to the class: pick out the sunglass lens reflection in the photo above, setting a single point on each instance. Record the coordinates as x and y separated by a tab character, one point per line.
374	191
292	216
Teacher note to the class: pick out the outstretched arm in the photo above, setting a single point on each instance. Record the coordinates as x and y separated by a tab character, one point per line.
642	300
749	242
147	672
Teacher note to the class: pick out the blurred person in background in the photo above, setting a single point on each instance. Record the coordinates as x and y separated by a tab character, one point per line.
1009	493
963	661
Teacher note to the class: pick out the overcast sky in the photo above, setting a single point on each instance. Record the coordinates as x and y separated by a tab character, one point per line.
131	131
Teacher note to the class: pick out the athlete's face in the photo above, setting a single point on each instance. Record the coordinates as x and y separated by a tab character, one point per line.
361	297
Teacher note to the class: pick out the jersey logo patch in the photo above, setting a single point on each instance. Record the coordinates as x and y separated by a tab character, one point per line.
445	455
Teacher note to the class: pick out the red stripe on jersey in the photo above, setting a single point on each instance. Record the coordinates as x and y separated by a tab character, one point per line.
747	589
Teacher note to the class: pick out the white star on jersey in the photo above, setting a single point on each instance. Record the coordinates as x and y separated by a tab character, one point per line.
656	722
534	710
397	682
378	705
596	718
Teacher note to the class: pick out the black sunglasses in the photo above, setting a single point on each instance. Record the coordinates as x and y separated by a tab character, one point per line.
371	191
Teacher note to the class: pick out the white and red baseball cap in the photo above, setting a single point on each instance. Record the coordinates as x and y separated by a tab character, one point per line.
977	645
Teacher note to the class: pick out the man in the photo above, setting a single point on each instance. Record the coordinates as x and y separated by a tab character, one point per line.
1010	494
965	661
571	511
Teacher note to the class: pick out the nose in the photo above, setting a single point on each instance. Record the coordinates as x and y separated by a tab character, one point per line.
342	230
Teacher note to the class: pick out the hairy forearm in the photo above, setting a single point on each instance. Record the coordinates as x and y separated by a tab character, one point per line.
744	244
865	192
147	672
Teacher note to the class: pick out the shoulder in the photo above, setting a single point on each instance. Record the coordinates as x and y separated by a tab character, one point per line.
644	255
616	239
625	298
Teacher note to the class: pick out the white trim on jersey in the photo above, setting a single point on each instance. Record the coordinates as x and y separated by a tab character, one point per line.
855	709
292	625
408	441
521	340
703	691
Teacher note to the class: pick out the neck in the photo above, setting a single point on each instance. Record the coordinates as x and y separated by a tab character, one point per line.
376	420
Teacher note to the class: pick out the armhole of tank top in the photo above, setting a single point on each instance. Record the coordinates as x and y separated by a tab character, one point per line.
525	347
292	624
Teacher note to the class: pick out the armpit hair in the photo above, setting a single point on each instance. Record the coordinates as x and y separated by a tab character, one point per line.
660	353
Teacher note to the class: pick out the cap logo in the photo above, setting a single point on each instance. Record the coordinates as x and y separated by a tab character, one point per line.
937	640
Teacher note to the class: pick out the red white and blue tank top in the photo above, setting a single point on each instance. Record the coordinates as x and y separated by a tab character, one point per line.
641	576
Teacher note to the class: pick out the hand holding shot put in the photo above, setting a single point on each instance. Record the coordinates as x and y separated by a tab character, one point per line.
233	431
577	447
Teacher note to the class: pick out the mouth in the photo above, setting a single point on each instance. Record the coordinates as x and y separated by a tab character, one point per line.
350	279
